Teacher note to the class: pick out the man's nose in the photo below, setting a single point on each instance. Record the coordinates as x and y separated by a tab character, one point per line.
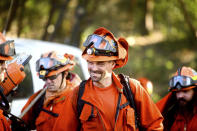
94	67
180	94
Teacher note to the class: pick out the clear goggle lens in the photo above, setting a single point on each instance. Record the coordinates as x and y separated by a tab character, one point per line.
184	81
47	64
100	43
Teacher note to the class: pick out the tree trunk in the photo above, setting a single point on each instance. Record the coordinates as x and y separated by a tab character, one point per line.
77	30
20	17
11	15
60	19
51	13
187	19
83	18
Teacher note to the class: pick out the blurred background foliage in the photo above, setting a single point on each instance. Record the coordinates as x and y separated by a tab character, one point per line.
162	33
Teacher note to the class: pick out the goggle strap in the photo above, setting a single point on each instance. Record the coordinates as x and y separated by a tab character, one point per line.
179	71
49	55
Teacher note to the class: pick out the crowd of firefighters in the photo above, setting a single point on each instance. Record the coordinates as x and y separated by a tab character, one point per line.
99	103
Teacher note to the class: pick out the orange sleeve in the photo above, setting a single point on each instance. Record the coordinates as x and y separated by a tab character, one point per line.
161	103
4	125
150	116
68	119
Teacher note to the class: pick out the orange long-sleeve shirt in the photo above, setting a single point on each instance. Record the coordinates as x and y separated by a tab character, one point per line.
103	116
45	121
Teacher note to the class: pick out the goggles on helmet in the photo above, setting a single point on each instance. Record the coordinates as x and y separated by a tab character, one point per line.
7	48
49	64
100	43
184	82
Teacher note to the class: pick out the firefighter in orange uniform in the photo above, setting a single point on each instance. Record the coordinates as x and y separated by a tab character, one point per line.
179	107
99	103
7	50
54	70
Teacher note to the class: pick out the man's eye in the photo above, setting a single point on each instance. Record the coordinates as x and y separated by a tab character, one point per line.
102	64
90	63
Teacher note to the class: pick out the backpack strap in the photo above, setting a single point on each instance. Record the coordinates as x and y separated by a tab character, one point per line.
80	102
50	112
129	95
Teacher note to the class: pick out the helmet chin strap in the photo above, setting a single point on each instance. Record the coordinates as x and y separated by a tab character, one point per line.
63	73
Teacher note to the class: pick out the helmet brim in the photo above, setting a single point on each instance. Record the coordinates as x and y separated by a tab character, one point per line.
98	58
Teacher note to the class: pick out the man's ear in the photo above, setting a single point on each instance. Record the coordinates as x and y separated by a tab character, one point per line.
114	63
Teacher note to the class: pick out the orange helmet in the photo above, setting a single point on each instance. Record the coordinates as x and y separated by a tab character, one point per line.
147	84
51	64
7	48
103	46
184	79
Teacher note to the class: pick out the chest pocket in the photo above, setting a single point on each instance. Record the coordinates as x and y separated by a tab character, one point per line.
88	113
46	115
89	117
130	118
43	118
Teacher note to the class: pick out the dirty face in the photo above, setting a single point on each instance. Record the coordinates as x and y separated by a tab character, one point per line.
99	70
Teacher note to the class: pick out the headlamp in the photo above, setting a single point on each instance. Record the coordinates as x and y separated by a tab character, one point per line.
96	52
